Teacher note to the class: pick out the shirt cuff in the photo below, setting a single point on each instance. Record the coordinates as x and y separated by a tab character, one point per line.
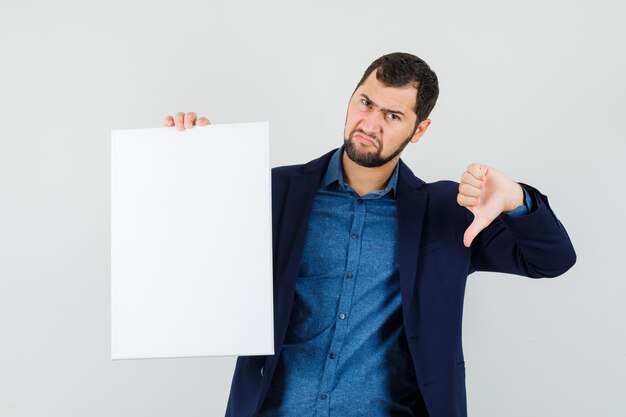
524	208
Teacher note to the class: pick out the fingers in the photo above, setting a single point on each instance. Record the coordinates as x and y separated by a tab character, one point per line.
466	201
179	121
203	121
469	189
474	229
468	178
471	185
478	171
184	121
190	120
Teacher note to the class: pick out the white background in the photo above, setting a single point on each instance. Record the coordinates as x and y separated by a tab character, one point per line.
534	88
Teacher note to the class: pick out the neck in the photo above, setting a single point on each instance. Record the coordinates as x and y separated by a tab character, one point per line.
365	180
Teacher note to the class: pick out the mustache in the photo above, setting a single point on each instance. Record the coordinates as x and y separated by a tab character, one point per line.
374	138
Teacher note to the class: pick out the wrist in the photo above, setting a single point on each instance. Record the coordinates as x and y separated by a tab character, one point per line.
516	200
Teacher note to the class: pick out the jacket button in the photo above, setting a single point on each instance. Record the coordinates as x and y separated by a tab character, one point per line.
262	369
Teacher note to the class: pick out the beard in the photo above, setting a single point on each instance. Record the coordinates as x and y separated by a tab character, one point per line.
371	159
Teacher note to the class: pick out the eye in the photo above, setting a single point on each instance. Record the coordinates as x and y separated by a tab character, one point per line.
365	102
393	116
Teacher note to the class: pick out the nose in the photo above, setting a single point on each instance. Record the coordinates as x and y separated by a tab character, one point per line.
371	124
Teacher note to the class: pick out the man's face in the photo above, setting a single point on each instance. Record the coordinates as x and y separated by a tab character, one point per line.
380	122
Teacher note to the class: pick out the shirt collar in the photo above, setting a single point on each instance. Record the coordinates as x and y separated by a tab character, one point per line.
334	174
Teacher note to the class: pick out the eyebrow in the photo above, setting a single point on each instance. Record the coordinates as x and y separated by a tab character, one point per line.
382	108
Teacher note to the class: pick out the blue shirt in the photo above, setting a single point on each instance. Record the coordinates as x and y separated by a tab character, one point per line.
345	351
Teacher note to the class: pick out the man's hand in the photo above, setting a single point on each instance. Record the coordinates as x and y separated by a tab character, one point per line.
486	192
184	121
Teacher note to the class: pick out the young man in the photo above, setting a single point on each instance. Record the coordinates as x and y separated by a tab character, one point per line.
370	263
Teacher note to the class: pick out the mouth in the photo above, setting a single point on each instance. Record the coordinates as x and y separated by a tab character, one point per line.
365	139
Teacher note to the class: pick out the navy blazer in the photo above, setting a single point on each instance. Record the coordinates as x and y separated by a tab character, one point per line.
434	265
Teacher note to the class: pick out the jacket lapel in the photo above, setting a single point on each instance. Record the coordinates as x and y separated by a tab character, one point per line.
293	229
411	209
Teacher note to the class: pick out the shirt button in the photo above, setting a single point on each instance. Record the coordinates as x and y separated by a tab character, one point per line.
354	236
323	397
360	200
349	275
342	316
332	356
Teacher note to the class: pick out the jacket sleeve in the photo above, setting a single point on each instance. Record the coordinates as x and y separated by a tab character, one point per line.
535	245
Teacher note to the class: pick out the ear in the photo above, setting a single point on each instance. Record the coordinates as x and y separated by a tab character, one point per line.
421	129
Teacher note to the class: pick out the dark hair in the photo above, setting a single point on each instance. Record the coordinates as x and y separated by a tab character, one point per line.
399	69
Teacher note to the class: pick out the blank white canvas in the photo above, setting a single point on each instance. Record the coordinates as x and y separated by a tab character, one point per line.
191	269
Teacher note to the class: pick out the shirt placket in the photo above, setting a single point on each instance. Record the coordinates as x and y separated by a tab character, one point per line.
345	303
